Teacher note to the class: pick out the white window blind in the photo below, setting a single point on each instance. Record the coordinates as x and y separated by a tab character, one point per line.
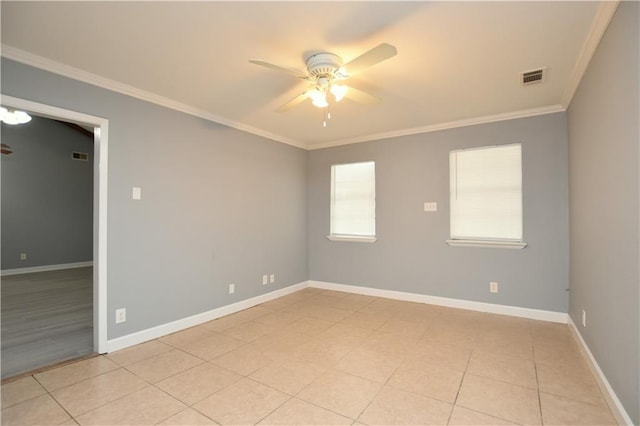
353	199
486	193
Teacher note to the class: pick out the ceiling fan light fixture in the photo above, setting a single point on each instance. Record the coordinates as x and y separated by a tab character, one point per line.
320	103
13	117
338	91
319	99
324	69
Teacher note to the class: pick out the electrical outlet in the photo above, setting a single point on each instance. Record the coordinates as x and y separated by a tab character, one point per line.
584	318
493	287
121	315
232	288
23	256
265	279
272	278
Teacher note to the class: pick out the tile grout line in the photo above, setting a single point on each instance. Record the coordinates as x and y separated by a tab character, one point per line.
558	394
28	399
334	370
370	402
464	374
248	377
188	406
148	384
158	355
295	395
535	366
54	398
376	395
114	400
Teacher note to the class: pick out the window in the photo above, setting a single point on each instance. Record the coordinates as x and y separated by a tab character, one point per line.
486	196
353	202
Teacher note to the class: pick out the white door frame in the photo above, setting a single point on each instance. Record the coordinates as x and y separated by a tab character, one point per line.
100	144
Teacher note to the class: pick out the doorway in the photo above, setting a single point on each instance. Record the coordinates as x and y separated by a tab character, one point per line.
86	281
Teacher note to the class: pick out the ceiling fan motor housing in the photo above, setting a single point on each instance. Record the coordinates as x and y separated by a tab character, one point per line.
323	65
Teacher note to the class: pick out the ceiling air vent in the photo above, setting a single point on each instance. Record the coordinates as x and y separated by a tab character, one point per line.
532	77
80	156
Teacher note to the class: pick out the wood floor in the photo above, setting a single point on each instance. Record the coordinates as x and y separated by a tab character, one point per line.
47	317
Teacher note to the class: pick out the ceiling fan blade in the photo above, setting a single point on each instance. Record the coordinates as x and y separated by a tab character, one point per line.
376	55
293	102
361	96
291	71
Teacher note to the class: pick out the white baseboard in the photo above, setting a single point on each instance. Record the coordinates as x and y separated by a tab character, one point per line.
610	396
181	324
513	311
45	268
559	317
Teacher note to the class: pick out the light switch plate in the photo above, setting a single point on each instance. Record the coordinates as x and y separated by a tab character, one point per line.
137	193
430	207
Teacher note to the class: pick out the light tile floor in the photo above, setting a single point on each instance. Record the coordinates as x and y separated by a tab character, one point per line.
323	357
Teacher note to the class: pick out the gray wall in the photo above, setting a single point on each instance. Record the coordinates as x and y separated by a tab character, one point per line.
218	205
603	154
411	254
47	198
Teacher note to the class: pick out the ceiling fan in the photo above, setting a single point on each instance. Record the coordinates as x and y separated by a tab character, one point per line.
325	72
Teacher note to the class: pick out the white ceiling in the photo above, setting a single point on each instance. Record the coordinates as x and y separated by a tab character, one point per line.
457	62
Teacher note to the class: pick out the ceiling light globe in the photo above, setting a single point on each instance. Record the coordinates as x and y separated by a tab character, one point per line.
13	117
320	103
338	91
22	117
318	99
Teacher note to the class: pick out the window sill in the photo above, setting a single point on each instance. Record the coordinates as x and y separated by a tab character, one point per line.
352	238
487	244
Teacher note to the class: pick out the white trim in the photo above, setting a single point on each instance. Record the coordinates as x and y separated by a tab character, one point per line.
352	238
610	396
45	268
514	311
55	67
487	244
100	187
100	180
601	21
181	324
444	126
51	111
153	333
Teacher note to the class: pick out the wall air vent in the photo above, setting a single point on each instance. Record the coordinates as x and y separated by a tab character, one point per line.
80	156
533	76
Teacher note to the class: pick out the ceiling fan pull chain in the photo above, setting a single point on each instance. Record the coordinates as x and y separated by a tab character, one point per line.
327	117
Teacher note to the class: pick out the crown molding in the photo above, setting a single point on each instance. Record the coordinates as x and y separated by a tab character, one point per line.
55	67
550	109
599	26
